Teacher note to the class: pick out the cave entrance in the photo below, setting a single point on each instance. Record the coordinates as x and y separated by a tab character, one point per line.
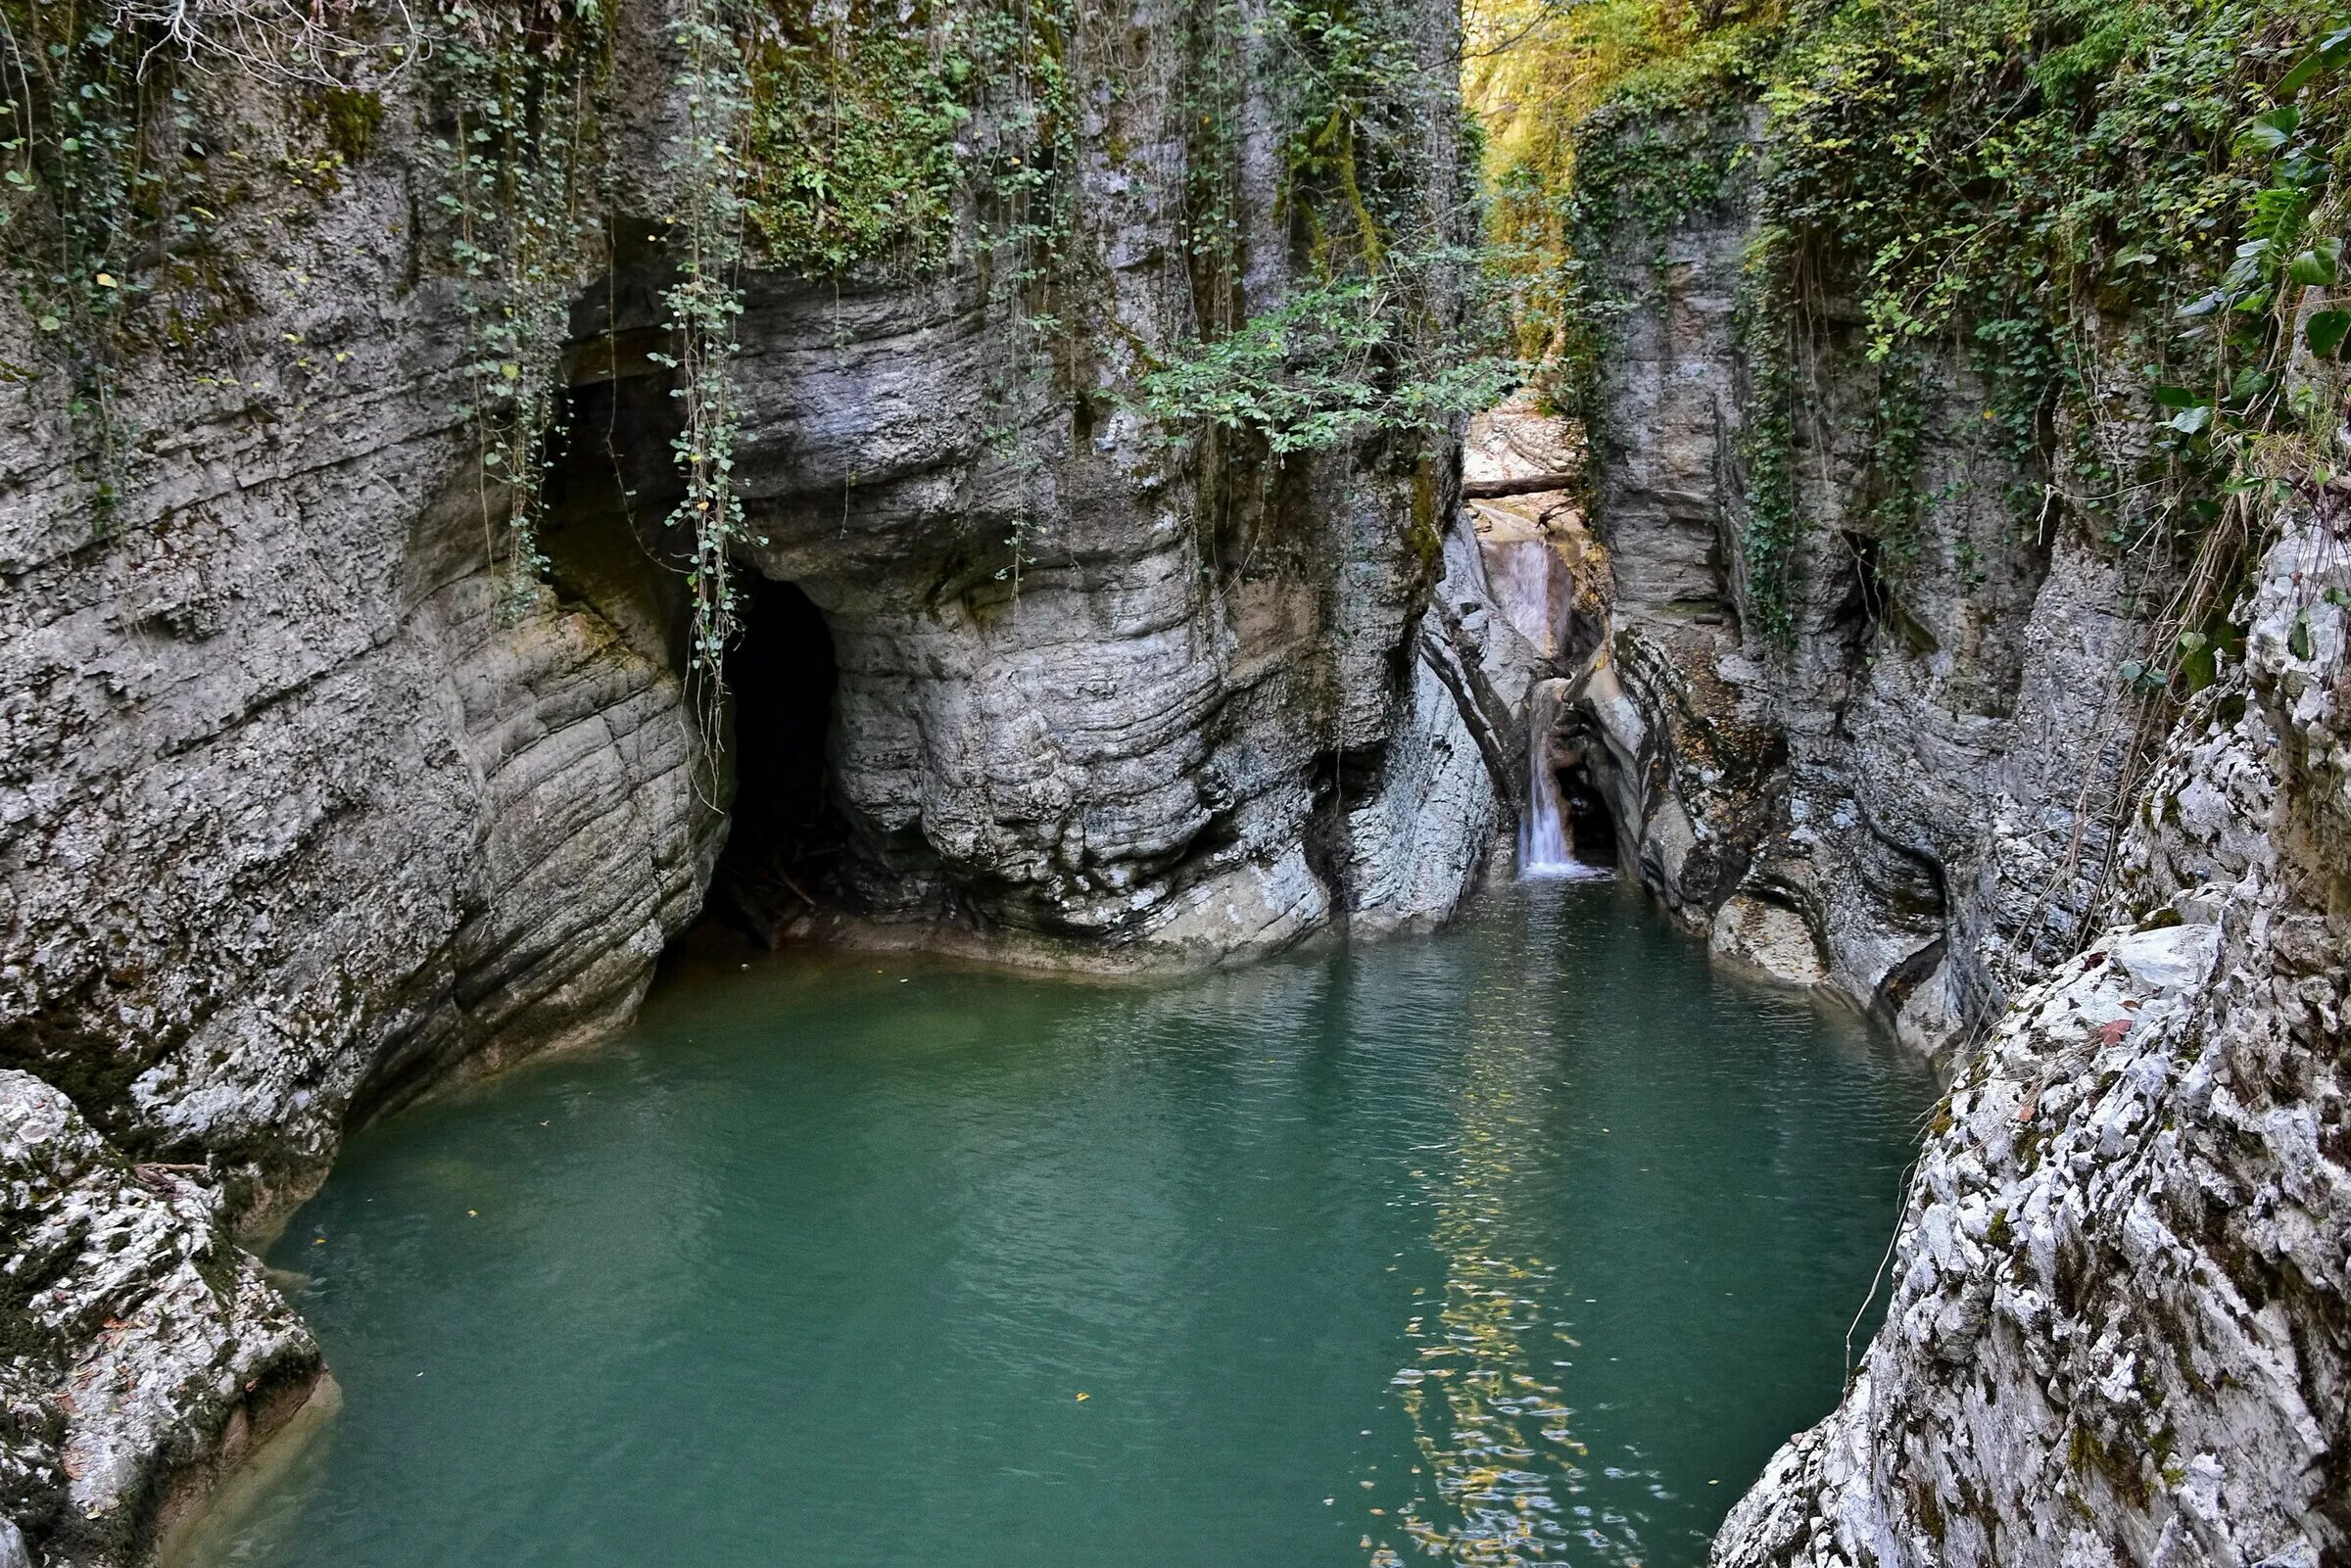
1577	754
1590	825
781	864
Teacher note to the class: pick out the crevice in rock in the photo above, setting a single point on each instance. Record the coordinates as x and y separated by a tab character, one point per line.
1591	825
1860	607
1343	778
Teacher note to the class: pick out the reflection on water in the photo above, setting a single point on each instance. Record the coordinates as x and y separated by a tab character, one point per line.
1506	1473
1522	1244
1495	1435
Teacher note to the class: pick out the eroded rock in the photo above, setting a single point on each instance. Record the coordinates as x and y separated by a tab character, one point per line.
142	1344
2120	1329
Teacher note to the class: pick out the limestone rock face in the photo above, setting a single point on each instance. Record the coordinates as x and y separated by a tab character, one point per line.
303	807
1929	769
141	1339
1416	841
2120	1322
1106	692
1056	725
302	804
2119	1330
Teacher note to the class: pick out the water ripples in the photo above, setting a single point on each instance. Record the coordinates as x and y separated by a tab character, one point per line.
1491	1249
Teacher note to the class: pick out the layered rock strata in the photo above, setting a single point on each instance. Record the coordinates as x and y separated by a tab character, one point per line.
2120	1329
307	807
1912	798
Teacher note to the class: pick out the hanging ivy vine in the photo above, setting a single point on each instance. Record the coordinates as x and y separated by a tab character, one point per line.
518	85
1982	185
90	176
704	301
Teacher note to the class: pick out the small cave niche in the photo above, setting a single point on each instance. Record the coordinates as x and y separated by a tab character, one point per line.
1860	604
1585	820
784	844
1867	605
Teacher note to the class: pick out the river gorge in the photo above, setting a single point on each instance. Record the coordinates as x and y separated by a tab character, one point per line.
1348	1255
1227	782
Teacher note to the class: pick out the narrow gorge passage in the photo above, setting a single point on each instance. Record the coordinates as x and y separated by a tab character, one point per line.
1526	1243
514	509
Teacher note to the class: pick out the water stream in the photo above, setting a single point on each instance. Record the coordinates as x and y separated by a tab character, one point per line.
1545	850
1525	1242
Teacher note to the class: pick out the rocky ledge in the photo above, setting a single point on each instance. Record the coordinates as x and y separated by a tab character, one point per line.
145	1351
2120	1329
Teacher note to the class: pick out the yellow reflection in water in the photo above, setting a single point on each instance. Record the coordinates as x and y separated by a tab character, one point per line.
1496	1436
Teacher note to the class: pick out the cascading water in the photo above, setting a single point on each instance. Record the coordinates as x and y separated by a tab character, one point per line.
1545	853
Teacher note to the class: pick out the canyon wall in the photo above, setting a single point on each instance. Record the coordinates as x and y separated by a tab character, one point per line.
1910	798
2120	1322
308	806
2116	1331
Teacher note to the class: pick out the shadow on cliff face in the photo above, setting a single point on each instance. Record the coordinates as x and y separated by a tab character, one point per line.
1577	757
1590	825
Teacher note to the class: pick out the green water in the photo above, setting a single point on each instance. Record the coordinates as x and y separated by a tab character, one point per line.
1523	1243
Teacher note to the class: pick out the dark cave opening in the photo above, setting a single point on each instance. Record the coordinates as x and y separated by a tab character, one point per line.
1590	824
782	863
1860	604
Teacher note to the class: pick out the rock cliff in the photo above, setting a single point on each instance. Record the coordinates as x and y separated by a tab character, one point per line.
2116	1331
308	806
2120	1330
1913	800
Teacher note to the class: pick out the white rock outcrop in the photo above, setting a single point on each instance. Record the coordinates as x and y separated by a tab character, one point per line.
2120	1328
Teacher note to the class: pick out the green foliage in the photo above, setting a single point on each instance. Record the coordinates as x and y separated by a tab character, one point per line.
350	116
1599	115
2114	214
1772	525
708	173
1354	176
1328	363
1370	336
518	85
2000	178
112	181
854	124
89	179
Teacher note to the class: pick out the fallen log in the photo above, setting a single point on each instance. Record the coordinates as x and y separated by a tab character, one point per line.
1524	485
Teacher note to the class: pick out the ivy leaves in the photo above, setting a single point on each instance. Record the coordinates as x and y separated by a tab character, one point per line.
707	172
2272	319
2325	331
1329	364
518	98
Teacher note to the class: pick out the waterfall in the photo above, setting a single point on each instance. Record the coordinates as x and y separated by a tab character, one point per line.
1544	852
